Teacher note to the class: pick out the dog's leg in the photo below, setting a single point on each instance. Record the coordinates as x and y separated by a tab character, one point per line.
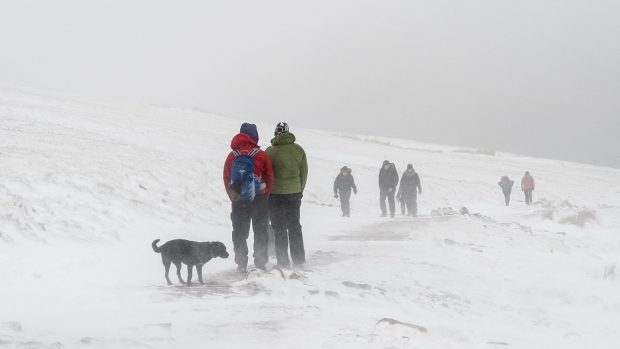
199	271
178	265
190	268
166	262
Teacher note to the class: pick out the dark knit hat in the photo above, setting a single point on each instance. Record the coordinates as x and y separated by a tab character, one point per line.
410	167
281	127
250	130
386	162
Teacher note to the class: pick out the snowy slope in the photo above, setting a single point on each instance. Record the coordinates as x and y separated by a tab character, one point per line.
86	185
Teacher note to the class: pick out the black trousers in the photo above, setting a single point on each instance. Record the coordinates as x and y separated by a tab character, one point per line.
345	202
244	213
284	210
528	196
389	195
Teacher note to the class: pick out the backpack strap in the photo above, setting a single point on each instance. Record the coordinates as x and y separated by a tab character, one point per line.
251	153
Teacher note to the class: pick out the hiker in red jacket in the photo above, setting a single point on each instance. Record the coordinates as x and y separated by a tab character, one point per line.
254	209
527	185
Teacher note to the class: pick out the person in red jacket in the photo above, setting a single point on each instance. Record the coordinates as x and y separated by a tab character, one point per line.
527	185
255	211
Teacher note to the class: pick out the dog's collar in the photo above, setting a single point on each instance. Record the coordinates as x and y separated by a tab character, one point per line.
210	252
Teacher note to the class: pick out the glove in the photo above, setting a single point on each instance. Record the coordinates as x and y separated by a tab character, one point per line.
355	192
336	196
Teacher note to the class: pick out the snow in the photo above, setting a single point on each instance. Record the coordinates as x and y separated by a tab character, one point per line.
86	185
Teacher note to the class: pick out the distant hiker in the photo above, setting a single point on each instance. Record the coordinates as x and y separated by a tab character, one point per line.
527	185
408	191
506	184
343	185
248	178
388	180
290	169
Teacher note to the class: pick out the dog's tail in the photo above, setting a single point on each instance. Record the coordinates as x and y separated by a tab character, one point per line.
154	245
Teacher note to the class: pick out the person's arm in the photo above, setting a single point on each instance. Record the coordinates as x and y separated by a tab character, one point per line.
268	175
395	178
399	194
303	170
353	185
533	183
336	183
226	175
419	184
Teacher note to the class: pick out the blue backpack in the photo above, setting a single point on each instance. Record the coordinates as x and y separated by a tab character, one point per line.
242	179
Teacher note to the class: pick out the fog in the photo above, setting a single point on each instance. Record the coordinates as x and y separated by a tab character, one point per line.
532	77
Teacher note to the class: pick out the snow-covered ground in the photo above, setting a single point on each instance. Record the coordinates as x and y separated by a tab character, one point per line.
86	185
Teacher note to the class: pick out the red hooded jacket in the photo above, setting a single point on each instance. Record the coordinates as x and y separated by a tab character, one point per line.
262	165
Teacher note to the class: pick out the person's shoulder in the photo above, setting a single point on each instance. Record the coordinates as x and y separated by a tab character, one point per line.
297	148
261	153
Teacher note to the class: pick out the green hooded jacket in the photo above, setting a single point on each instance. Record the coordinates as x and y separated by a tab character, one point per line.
289	163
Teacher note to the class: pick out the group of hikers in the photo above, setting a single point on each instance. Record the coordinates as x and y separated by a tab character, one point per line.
267	186
527	186
407	194
409	189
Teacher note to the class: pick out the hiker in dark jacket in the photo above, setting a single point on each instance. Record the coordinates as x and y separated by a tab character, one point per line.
255	211
408	191
290	169
388	180
343	185
506	184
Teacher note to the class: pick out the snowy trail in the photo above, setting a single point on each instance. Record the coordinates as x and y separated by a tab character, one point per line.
85	186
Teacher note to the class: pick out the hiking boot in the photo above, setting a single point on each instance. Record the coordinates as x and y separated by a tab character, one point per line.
284	266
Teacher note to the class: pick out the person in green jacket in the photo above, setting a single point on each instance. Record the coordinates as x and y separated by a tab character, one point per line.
290	169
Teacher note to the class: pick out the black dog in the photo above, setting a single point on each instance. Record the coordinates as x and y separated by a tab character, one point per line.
190	253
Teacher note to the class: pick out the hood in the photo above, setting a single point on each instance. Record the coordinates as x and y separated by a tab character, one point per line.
285	138
243	142
250	130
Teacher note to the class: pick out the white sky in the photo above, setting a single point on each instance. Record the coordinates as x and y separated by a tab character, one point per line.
533	77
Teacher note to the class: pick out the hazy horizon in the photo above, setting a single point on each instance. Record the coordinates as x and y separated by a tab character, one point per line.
536	78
